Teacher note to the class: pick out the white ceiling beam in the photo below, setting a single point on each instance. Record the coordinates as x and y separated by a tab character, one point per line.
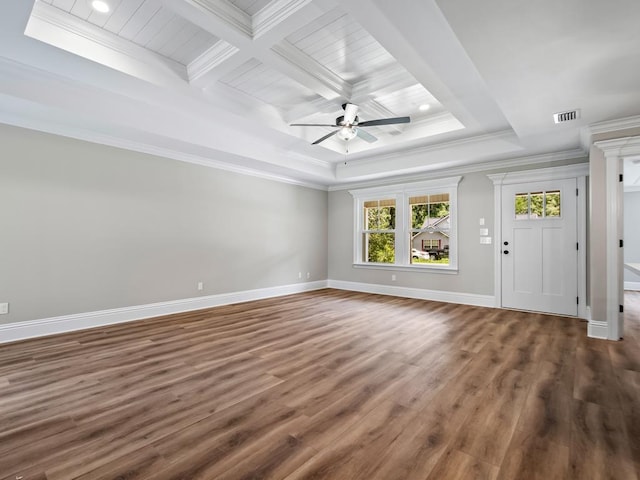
220	53
218	17
273	24
302	68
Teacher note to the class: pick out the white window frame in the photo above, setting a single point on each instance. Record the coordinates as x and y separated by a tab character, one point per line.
401	193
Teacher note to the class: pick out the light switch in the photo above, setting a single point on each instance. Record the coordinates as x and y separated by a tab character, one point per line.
482	221
485	240
484	232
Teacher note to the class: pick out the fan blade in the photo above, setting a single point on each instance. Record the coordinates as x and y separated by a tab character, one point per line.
366	136
350	112
384	121
312	125
325	137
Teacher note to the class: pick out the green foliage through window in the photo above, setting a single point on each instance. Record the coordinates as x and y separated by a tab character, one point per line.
537	205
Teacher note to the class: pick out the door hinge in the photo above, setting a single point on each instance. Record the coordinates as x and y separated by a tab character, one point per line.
621	177
621	308
576	192
621	243
577	246
578	300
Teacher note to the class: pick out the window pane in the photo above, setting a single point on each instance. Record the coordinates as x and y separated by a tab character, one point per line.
380	214
430	247
419	212
522	205
387	218
379	247
552	204
370	217
537	199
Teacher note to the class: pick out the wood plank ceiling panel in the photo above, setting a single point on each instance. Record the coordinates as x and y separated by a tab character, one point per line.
147	23
121	15
340	44
268	85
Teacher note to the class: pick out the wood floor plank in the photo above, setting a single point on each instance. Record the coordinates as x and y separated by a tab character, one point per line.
456	465
599	444
326	384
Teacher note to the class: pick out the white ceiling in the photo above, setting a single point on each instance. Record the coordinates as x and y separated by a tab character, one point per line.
219	82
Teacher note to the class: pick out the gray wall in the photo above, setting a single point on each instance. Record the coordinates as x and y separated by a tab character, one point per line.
85	227
631	233
475	261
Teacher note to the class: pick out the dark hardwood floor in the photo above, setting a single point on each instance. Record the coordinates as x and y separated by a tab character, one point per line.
325	385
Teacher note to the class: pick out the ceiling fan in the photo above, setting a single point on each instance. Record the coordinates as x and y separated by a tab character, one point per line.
348	125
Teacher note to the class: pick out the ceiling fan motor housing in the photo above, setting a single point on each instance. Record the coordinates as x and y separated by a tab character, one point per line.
340	121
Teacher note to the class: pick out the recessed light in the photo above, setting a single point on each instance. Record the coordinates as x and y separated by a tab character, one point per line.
424	107
100	6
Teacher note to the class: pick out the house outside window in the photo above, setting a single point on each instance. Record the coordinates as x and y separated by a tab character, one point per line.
411	225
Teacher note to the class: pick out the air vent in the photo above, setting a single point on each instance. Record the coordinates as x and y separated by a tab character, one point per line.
566	116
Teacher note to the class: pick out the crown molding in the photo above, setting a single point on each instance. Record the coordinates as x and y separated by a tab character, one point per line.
274	13
215	55
140	147
541	174
466	169
587	133
425	149
620	147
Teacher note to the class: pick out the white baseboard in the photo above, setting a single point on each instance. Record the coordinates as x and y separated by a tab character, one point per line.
419	293
597	329
632	286
48	326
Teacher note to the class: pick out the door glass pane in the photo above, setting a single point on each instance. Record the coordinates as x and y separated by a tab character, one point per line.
537	201
552	204
379	247
522	205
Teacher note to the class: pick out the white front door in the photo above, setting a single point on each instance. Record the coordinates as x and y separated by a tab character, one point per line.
539	247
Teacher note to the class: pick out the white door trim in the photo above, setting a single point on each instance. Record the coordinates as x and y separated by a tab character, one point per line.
579	172
615	151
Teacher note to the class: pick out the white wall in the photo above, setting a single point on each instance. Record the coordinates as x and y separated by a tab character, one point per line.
631	234
85	227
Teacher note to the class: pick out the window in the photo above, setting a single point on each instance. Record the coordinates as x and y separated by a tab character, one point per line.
379	235
411	225
537	205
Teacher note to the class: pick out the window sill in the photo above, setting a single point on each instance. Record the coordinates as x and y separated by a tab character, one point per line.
447	270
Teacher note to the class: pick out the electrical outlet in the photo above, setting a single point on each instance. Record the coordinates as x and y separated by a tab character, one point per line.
200	285
393	277
308	275
4	308
300	275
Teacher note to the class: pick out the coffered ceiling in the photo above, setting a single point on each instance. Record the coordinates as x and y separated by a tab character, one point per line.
219	82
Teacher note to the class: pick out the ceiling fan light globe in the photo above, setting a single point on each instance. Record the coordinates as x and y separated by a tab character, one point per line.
347	133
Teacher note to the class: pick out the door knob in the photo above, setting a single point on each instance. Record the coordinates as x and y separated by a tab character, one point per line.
506	252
